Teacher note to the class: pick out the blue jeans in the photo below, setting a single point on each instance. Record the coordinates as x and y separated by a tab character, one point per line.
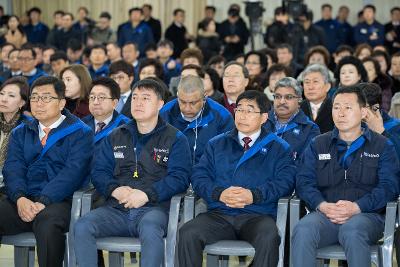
149	224
356	236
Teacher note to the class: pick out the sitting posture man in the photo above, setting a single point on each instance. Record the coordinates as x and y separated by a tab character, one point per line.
48	159
103	98
346	177
198	117
287	120
138	168
241	175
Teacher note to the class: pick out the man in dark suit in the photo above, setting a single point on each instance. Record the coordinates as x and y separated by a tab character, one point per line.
317	105
154	24
123	74
103	98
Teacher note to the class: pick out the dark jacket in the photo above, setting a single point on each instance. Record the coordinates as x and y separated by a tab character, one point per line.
126	109
32	78
214	120
278	33
324	117
62	37
155	26
332	33
157	163
367	172
116	121
298	133
52	173
177	35
36	34
392	130
209	45
389	27
346	33
79	108
227	29
141	35
103	71
363	31
224	164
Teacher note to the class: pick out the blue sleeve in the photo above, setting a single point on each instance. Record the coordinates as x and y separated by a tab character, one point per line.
387	188
226	124
120	35
179	168
103	168
394	136
203	176
306	179
75	171
15	167
313	133
358	37
284	177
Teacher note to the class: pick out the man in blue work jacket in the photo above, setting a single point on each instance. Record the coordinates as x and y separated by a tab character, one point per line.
346	177
241	175
198	117
48	159
287	120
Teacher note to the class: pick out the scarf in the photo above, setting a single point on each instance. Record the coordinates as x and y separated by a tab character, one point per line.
5	129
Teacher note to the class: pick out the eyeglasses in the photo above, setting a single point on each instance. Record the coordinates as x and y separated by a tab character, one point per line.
25	59
44	98
246	111
118	77
101	98
374	108
286	97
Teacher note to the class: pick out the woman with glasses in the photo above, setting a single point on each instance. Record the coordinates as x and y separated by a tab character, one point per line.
77	84
13	99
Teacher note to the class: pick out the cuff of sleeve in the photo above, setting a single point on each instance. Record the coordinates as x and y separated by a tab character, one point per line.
257	196
316	203
44	200
361	204
17	195
216	193
151	195
110	189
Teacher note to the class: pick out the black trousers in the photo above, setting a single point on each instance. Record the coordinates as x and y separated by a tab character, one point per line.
207	228
49	227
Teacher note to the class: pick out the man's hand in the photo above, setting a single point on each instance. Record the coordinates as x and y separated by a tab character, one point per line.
39	207
26	209
339	212
236	197
135	199
374	121
121	192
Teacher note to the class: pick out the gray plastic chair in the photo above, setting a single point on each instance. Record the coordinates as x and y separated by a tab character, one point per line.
219	252
381	253
24	243
116	246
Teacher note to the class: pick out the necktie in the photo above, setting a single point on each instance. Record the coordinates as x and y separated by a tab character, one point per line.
120	104
314	110
247	140
44	139
100	126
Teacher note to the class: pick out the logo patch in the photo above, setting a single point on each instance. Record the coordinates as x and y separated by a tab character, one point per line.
296	131
118	147
119	155
324	156
369	155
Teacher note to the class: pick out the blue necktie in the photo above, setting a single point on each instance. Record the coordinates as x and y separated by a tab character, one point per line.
120	104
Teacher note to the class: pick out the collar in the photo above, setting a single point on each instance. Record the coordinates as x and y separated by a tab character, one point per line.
316	106
253	137
16	73
31	73
131	126
177	24
53	126
106	121
278	124
134	64
366	132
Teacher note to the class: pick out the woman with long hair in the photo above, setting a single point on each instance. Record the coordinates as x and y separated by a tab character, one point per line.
15	33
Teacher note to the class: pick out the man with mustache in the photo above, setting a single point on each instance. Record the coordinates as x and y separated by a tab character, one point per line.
287	120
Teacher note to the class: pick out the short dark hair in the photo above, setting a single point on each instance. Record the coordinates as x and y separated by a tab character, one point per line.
285	46
28	47
385	55
99	46
106	15
58	84
110	84
59	12
167	93
176	11
372	92
215	60
135	9
150	46
122	66
13	50
326	6
278	68
69	14
397	54
361	47
351	60
396	8
199	70
131	43
271	53
59	55
159	70
211	8
49	47
318	49
355	89
244	69
148	6
84	9
22	83
371	7
34	9
280	11
261	56
261	99
74	44
166	42
214	77
152	85
343	48
192	52
7	44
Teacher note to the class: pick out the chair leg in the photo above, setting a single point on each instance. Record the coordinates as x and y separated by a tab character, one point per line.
21	256
212	260
321	263
225	261
115	259
242	260
31	255
133	256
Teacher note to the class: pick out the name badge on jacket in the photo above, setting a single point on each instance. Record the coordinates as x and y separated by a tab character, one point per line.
324	156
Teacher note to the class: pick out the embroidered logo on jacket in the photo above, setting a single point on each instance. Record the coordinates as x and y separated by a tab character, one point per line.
119	155
371	155
324	156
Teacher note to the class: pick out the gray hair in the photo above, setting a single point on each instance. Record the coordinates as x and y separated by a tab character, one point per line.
316	68
190	84
291	83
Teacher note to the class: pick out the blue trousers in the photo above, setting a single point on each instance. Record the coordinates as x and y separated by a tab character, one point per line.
356	236
149	224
